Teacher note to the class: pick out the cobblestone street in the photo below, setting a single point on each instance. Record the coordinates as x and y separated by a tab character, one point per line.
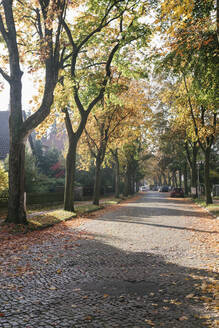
129	266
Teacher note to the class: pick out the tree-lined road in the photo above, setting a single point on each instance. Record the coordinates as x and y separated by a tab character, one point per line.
128	266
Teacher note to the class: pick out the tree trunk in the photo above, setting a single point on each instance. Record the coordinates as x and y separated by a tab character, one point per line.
159	180
207	177
16	205
126	184
19	129
96	196
185	175
132	184
164	179
70	177
194	171
169	179
175	179
117	179
180	178
129	182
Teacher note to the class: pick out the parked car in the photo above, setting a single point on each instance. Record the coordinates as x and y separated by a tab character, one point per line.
177	192
164	189
144	188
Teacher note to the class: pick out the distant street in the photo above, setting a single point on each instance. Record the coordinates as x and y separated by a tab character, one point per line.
130	266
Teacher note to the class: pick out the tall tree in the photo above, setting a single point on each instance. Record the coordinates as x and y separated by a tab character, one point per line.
87	63
191	57
121	108
43	20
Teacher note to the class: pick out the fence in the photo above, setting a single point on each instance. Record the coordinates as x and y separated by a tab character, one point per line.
81	193
37	198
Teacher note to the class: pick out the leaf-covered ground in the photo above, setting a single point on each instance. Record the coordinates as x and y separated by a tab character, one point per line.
149	262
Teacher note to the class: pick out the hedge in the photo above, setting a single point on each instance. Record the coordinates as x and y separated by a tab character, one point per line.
38	198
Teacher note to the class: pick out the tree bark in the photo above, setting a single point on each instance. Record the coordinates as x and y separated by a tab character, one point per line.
217	20
127	183
117	178
132	184
185	175
96	196
175	179
180	178
70	177
16	205
164	179
194	170
169	179
207	176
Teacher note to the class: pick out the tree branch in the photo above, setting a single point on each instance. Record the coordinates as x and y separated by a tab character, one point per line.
5	75
68	123
3	30
188	154
68	32
191	110
90	139
92	65
102	24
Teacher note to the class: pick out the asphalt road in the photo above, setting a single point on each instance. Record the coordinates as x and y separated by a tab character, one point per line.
131	266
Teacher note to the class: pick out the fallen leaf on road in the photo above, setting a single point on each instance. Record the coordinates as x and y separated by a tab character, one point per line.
184	317
166	308
149	322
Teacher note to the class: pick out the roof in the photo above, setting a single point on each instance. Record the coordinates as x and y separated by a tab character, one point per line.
4	134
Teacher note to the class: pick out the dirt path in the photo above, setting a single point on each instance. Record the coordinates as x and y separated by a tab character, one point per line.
140	264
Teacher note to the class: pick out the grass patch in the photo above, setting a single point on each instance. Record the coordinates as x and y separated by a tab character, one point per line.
49	219
212	208
38	207
80	209
38	222
40	217
112	201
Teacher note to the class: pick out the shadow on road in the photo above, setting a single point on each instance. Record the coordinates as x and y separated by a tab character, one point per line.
79	281
113	286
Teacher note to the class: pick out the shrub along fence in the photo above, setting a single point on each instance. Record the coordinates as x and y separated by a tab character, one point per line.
37	198
81	193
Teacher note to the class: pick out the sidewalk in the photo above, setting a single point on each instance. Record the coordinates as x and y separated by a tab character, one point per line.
47	217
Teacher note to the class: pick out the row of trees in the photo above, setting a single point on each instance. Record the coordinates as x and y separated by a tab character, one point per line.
73	45
189	94
90	55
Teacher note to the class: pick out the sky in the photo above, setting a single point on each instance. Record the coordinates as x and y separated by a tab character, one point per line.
28	88
27	94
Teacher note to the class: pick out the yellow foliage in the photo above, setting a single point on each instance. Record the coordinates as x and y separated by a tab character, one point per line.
3	178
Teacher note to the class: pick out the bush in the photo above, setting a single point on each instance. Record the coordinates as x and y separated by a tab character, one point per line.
44	198
3	178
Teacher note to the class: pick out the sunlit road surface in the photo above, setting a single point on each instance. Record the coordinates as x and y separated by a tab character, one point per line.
154	223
